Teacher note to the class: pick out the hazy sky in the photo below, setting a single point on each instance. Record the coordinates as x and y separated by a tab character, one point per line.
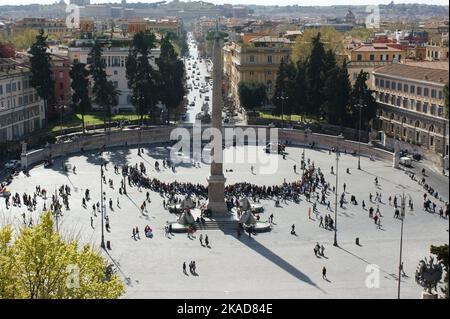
263	2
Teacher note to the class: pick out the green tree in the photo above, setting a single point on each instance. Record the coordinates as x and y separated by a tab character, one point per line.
362	95
105	94
41	73
80	89
141	76
172	72
283	97
442	254
39	264
251	94
300	89
315	76
303	45
336	95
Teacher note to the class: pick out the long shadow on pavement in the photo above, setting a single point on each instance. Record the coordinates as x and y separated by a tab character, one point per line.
277	260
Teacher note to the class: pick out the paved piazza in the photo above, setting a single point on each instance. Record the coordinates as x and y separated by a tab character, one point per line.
268	265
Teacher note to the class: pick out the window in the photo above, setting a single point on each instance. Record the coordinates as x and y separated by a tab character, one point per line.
419	90
18	86
359	57
116	84
388	84
252	73
433	109
382	83
252	59
433	93
399	87
377	82
440	95
14	87
393	85
61	75
419	106
115	72
372	57
20	101
425	92
269	59
412	89
405	88
8	88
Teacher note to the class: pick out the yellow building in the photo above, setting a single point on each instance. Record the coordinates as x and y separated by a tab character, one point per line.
368	57
50	26
257	60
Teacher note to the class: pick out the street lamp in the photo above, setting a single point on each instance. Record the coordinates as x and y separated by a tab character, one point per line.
336	198
282	98
102	204
403	210
360	106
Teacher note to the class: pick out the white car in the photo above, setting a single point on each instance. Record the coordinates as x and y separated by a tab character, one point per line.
12	164
405	161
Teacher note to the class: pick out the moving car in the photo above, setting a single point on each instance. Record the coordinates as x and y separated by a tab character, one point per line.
405	161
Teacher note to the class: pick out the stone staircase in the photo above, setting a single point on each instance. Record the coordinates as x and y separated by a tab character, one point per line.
228	225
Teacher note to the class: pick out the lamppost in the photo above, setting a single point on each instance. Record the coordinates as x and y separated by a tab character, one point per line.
282	98
102	204
360	106
403	214
336	198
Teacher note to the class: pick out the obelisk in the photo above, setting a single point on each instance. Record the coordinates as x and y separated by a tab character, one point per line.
216	180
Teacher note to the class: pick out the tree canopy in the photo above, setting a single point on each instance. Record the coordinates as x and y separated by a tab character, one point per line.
38	264
251	94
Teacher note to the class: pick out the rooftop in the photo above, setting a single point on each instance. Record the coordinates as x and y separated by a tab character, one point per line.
414	72
376	47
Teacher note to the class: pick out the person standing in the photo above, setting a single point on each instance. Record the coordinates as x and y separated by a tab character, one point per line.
324	273
201	239
206	240
293	229
184	268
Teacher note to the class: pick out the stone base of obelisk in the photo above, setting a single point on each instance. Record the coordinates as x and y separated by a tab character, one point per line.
216	199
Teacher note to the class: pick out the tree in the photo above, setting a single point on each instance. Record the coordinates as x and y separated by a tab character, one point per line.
171	71
80	87
251	94
7	50
39	264
300	89
105	94
283	97
362	95
142	78
442	254
446	100
303	45
336	95
315	76
41	73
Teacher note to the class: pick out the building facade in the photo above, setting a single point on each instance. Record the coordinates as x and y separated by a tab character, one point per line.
50	26
411	105
115	59
256	61
21	109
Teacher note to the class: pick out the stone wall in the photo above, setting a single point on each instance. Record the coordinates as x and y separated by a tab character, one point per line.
162	134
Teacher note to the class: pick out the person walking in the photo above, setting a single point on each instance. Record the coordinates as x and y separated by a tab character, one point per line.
293	229
201	239
137	233
92	222
322	249
321	222
324	273
184	268
206	240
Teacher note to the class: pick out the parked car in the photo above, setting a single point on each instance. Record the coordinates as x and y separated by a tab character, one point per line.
12	164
